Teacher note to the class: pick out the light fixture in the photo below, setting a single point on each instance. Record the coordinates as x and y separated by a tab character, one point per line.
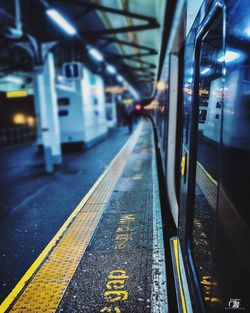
205	71
161	85
96	54
111	69
60	78
14	79
134	93
65	87
19	119
120	78
16	94
229	56
61	21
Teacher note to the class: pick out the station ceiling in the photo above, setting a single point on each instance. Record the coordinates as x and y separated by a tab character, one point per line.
127	32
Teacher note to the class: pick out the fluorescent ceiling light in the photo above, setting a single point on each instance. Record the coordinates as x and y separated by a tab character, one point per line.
61	21
96	54
247	31
205	70
120	78
65	87
60	78
229	56
14	79
134	93
111	69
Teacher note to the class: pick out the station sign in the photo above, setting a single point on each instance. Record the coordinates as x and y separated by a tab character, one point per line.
72	70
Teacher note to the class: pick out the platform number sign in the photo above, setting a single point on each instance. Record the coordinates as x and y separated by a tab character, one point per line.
72	70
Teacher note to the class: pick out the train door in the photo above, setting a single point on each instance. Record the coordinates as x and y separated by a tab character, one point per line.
175	65
204	171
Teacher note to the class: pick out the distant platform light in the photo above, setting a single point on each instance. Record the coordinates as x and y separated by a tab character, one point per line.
120	78
161	85
19	119
116	89
138	107
128	101
31	121
111	69
14	79
205	71
96	54
229	56
17	94
134	93
61	21
154	105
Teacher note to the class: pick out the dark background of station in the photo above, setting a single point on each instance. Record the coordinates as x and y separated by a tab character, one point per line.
10	107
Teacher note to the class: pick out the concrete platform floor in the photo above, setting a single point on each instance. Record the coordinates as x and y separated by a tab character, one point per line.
35	205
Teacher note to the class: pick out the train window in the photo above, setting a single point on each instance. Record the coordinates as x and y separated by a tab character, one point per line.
247	74
63	101
208	139
63	113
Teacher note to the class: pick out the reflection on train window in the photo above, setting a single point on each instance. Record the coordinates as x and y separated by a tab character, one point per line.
208	139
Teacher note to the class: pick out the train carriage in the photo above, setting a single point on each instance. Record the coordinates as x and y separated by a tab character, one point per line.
205	152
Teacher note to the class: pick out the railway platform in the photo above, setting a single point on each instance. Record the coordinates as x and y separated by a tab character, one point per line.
109	255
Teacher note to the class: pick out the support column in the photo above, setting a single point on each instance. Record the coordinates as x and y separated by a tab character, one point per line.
47	110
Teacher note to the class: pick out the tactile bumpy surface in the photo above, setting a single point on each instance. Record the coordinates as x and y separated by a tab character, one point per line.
48	285
115	274
207	184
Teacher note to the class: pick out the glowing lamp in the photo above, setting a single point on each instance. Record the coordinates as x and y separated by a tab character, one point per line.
137	107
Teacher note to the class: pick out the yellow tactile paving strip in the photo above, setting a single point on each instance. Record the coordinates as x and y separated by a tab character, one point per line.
47	285
207	184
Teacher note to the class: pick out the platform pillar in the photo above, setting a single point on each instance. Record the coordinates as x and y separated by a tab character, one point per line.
47	111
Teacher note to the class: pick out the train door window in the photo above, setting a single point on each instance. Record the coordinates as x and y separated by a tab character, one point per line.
209	120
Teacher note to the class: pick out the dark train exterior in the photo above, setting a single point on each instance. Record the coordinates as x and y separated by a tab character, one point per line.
202	117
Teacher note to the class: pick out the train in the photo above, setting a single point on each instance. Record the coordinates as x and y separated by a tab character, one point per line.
201	113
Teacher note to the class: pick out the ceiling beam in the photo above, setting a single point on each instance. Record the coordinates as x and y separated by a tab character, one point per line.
119	30
139	69
150	65
82	14
110	40
132	57
100	7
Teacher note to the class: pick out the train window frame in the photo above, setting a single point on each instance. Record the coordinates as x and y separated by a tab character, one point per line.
218	9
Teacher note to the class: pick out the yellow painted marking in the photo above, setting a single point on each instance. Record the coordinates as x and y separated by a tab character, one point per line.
208	284
46	284
115	290
183	165
176	252
124	231
208	175
111	310
207	184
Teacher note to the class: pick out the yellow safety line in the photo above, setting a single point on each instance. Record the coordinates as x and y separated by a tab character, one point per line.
207	174
56	239
176	252
202	187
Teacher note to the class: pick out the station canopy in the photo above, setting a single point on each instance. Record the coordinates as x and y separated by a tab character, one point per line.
127	33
